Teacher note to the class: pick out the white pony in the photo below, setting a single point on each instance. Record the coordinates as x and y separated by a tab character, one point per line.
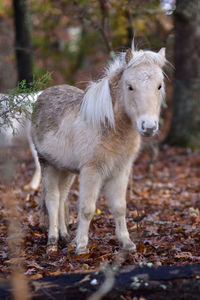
21	126
96	133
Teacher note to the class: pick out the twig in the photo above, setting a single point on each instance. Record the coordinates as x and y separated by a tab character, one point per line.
106	286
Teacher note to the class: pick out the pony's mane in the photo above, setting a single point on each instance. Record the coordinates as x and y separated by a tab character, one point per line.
97	108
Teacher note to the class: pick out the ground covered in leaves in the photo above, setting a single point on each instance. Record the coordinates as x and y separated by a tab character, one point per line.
163	214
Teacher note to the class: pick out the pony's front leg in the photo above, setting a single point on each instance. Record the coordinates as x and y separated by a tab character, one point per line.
90	184
115	191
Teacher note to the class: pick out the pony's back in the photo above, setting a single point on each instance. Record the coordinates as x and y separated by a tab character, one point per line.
53	104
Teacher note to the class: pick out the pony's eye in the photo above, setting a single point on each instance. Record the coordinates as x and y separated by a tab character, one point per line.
159	87
130	88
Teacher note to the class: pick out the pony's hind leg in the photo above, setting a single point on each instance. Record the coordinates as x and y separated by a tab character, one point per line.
65	181
115	191
90	184
50	182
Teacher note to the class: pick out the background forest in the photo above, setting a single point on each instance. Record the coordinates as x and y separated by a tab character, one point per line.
73	40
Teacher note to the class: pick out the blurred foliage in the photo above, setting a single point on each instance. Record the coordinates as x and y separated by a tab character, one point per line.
20	101
5	8
95	28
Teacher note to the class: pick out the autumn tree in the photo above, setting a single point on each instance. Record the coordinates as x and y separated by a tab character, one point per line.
23	43
185	126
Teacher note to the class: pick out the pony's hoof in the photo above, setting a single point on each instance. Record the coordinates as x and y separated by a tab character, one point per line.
52	245
52	241
82	250
130	246
51	249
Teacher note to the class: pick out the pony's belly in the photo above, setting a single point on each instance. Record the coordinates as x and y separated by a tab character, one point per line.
66	162
59	153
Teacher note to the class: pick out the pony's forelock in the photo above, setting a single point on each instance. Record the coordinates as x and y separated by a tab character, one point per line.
146	57
139	57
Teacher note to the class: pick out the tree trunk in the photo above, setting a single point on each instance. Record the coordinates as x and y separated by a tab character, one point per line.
185	127
105	24
23	44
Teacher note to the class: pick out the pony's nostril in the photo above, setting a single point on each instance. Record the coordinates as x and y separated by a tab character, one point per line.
143	127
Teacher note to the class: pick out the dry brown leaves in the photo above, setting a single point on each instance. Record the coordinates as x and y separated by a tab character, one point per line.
163	214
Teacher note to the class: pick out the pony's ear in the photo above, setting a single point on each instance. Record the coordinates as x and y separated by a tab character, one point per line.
161	54
128	56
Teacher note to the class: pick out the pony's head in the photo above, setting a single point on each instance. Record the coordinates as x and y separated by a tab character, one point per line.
143	88
140	86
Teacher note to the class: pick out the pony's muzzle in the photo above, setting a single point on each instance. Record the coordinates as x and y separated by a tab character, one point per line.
147	126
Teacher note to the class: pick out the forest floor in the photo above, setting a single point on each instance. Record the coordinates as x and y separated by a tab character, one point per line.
163	217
